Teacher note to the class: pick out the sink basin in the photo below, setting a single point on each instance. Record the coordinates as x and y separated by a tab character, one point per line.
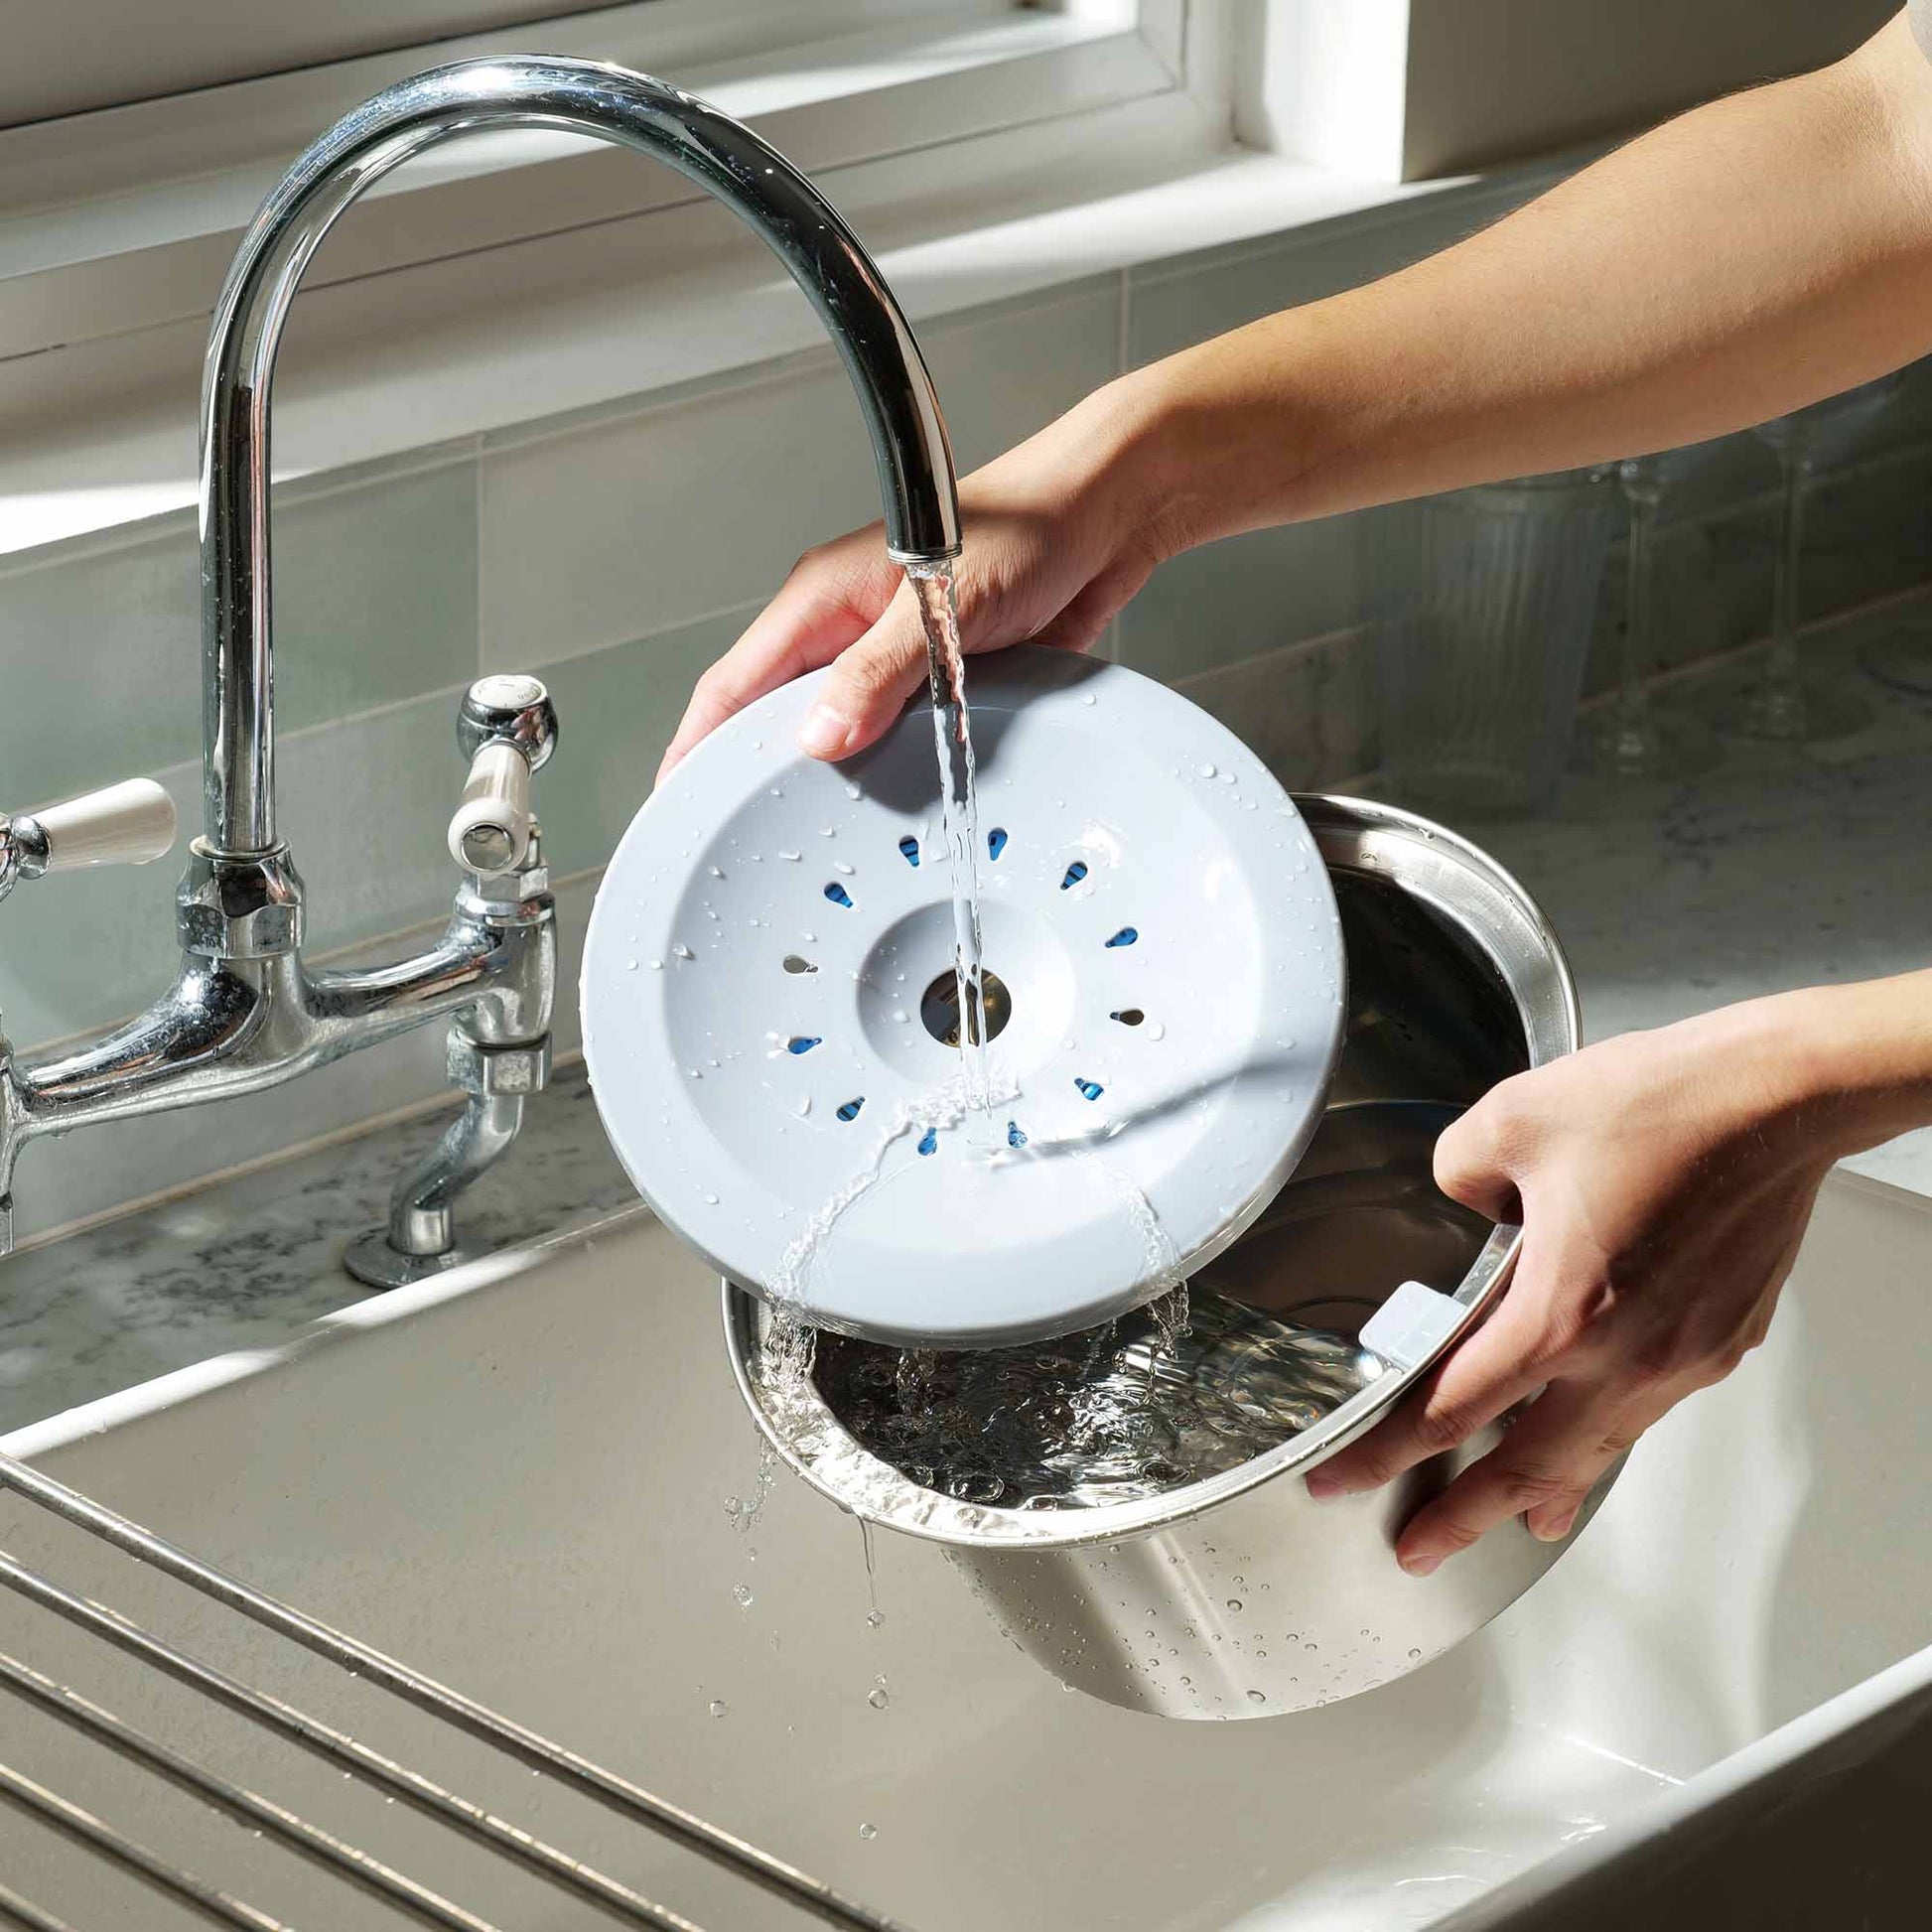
515	1477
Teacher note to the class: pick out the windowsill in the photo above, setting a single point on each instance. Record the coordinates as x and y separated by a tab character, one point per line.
375	369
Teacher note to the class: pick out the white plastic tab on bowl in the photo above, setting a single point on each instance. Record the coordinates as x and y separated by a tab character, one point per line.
1411	1325
766	992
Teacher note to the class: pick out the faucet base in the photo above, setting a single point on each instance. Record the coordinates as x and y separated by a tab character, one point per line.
375	1263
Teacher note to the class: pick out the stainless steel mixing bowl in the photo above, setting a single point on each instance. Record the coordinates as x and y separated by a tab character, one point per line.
1237	1596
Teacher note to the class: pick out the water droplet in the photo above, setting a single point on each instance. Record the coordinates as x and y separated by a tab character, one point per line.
717	872
867	1830
1157	1031
878	1697
840	866
1257	1697
802	1105
711	1200
791	858
630	965
718	1708
657	965
875	1618
682	951
1207	771
742	1595
853	792
1415	1656
1235	1603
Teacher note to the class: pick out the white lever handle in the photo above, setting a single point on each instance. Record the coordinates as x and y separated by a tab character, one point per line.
127	824
490	831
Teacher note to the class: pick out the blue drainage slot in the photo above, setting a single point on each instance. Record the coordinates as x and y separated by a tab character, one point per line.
840	896
1128	1015
1014	1135
910	849
850	1111
996	842
1091	1088
1124	937
931	1144
802	1042
1076	872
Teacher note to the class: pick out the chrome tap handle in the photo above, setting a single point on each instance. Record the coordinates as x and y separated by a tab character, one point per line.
128	824
507	728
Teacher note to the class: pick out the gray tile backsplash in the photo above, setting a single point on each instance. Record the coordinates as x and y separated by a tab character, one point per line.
624	551
376	600
607	531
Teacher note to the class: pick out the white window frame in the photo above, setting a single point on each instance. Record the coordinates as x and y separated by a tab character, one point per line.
121	221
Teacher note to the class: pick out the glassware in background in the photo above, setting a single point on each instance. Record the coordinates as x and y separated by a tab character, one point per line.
1902	658
1485	627
1783	702
1632	738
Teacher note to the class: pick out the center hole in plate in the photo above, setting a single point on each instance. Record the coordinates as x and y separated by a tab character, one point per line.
939	1007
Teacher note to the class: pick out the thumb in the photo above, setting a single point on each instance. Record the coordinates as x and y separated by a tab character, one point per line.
868	682
1469	1166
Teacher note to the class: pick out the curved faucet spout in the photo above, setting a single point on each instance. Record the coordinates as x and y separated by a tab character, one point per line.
632	110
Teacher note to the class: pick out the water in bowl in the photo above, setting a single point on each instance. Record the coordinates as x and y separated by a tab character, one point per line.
1123	1412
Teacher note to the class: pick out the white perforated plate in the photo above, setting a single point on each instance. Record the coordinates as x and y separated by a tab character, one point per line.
1154	904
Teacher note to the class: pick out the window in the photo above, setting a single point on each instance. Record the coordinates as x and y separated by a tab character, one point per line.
120	217
76	57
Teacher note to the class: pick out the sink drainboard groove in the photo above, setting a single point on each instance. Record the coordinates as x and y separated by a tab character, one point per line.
355	1759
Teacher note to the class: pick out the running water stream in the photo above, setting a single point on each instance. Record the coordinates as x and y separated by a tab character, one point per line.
953	737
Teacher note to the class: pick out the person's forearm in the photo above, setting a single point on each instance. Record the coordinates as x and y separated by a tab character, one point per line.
1856	1058
1745	259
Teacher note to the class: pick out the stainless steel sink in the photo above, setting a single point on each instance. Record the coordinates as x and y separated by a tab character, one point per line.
515	1477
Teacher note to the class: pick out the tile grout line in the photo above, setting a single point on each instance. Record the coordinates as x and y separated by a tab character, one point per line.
482	565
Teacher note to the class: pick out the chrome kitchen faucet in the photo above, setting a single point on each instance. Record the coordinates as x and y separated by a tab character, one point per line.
246	1013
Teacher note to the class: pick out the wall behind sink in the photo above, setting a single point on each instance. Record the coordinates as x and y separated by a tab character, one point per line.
618	553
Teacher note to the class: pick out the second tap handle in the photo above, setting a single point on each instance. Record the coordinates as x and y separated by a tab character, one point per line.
490	831
127	824
507	728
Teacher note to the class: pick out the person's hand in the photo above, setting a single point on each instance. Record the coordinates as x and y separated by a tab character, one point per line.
1059	534
1663	1181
